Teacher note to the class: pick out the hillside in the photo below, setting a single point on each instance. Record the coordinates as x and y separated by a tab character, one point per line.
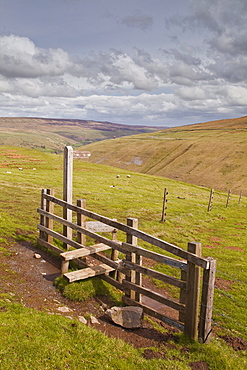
212	154
54	134
33	327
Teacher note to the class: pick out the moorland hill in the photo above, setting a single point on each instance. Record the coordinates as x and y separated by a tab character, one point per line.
212	154
54	134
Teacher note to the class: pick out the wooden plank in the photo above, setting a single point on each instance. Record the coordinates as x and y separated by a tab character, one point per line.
85	251
138	233
87	272
205	324
155	256
155	274
155	296
192	295
154	313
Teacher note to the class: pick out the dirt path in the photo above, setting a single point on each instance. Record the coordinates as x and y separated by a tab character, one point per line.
30	281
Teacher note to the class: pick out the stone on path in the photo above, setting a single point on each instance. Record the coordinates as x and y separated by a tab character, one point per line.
64	309
128	317
94	320
82	319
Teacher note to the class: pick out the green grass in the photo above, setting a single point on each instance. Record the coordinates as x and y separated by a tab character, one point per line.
66	344
31	339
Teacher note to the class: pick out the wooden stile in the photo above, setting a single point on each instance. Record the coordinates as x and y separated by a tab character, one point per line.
112	269
171	248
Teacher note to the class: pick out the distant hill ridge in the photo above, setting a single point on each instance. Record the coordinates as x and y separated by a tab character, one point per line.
24	121
54	134
212	154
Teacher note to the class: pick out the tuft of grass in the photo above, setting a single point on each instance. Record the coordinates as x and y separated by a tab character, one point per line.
82	290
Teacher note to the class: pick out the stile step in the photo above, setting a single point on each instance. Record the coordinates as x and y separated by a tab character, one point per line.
88	272
85	251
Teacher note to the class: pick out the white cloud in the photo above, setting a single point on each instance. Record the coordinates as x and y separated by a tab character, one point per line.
19	57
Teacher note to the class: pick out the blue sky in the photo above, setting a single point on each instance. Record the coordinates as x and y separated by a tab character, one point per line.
146	62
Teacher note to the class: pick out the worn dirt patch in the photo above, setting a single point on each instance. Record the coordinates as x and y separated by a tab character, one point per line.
223	284
235	249
199	365
149	354
238	344
209	246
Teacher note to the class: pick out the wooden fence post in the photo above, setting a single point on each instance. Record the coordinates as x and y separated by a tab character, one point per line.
48	206
207	301
163	217
81	221
132	257
49	221
67	189
240	197
192	293
210	203
42	235
228	198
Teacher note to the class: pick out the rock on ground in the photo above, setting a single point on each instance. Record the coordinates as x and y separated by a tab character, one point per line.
128	317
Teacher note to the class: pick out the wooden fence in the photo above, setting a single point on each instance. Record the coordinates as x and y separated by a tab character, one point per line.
195	299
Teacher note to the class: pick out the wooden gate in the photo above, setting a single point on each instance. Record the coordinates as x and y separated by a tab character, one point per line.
126	273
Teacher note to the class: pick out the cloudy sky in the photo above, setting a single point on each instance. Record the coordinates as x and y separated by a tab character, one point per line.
147	62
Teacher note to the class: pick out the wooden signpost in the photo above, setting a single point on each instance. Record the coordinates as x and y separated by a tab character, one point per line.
67	189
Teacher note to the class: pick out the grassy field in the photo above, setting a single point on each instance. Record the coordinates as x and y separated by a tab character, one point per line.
54	342
212	154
